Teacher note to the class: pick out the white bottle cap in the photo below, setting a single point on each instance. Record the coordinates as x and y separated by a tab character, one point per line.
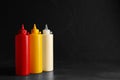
46	30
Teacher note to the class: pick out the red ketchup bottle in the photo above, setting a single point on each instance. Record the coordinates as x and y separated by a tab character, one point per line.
22	54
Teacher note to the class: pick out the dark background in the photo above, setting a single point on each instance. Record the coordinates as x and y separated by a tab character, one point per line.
84	31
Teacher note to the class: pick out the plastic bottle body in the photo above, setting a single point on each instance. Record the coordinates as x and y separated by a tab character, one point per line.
35	53
22	56
47	52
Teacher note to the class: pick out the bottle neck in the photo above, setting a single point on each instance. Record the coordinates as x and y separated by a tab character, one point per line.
46	31
22	30
35	30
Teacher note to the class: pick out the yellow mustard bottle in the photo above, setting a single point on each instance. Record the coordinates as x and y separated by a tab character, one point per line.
35	51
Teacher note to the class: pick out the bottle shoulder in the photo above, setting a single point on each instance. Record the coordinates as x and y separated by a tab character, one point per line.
48	34
21	35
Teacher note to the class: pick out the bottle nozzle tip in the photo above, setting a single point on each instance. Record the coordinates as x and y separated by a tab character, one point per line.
22	26
46	26
34	26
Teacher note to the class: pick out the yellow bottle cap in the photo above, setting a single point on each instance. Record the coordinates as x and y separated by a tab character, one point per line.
35	30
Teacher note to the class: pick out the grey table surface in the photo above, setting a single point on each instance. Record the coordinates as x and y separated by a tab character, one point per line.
80	71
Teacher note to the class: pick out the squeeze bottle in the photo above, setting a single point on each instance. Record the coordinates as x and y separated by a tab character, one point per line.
47	49
35	51
22	55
